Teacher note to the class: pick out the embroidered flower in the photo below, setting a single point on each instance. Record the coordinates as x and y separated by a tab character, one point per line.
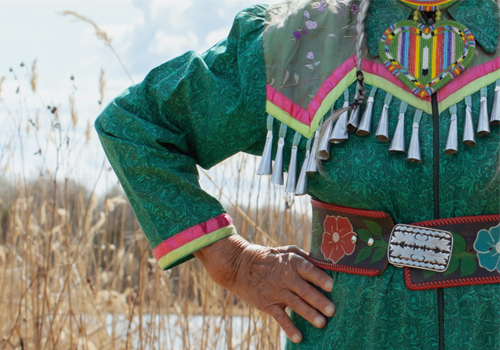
487	246
337	238
311	25
320	6
354	9
310	55
307	15
299	32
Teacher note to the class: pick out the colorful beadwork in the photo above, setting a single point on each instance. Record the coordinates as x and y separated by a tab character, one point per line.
427	58
428	5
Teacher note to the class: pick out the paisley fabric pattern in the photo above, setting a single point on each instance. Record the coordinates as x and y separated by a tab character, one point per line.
201	109
186	112
469	190
481	18
471	316
373	313
381	17
362	174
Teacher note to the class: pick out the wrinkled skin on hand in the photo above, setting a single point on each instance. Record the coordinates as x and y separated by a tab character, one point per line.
270	279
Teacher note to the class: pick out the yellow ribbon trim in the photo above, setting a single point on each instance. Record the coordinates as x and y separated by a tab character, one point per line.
182	254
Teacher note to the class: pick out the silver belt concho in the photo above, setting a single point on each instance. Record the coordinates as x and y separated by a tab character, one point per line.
420	248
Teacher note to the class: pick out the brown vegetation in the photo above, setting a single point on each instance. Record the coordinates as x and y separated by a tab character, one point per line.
76	272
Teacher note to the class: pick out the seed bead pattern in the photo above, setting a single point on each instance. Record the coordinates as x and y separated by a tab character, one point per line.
428	5
427	58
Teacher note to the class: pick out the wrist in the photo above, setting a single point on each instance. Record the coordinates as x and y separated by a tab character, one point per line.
221	258
221	247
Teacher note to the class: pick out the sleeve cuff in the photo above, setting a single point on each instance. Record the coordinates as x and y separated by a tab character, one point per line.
180	248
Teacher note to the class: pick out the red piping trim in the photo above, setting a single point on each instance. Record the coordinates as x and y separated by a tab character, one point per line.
458	282
346	210
459	220
347	269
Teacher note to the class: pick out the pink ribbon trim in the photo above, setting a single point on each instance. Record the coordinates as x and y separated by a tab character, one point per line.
468	77
191	234
306	116
464	79
381	70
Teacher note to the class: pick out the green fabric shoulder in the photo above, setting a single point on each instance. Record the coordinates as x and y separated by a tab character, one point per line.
197	109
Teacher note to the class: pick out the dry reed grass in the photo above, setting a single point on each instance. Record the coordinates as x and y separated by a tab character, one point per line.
77	273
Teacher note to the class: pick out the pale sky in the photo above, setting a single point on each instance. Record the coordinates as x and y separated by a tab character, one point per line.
144	35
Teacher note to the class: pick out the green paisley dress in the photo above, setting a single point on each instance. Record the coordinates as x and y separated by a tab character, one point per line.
200	109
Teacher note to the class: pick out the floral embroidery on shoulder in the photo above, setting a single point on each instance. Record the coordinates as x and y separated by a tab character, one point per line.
309	25
319	6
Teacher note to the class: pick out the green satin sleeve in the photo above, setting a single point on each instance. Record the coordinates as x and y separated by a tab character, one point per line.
197	109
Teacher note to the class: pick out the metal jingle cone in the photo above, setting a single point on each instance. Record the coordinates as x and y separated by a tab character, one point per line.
292	172
495	113
277	177
452	141
301	188
398	140
414	154
324	144
353	123
382	133
469	137
365	126
340	132
483	126
312	166
265	166
291	180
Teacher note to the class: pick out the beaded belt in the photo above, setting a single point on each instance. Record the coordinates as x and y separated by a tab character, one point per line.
435	254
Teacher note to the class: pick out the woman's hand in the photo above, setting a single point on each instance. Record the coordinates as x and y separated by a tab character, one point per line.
270	279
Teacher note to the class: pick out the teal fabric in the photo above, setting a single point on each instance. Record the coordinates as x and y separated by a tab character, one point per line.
195	109
481	18
361	173
374	313
380	17
201	109
380	312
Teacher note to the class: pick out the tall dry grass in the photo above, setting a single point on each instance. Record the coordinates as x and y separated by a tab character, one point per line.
76	272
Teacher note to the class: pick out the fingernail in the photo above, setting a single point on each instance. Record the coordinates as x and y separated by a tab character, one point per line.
319	321
330	310
296	338
329	286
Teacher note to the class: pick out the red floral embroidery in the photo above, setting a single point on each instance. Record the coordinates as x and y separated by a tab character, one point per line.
337	238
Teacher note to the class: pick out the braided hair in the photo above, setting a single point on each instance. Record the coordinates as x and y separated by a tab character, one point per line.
361	92
360	40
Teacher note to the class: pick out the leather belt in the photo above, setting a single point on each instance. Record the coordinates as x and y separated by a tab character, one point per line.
435	254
